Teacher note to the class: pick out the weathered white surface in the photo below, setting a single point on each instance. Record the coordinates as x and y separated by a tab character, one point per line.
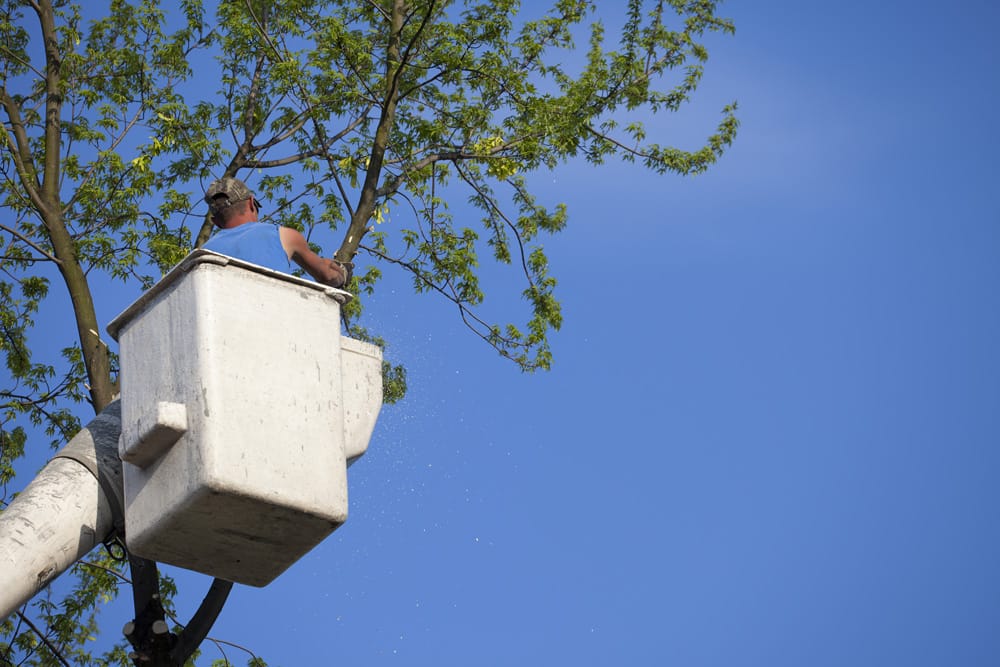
361	369
155	431
259	476
61	515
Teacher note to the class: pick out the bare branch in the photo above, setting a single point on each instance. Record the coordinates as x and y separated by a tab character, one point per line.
10	55
35	246
236	646
98	566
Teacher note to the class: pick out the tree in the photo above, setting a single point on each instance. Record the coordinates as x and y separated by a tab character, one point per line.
346	113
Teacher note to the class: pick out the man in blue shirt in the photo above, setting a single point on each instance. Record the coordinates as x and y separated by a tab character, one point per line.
235	212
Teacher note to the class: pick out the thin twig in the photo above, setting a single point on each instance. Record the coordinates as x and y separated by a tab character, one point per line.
236	646
98	566
45	640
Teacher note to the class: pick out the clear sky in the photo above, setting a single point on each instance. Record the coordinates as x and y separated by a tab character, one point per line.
770	436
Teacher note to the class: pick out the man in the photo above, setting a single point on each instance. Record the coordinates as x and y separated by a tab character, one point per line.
235	212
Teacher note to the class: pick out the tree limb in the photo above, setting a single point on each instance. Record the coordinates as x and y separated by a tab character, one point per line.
20	151
498	212
45	640
35	246
469	318
197	629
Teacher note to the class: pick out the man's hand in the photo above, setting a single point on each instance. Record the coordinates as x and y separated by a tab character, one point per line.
346	269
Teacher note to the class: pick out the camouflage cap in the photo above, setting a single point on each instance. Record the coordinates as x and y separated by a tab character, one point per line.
225	192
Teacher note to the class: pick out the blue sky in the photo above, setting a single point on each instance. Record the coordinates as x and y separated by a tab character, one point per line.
770	434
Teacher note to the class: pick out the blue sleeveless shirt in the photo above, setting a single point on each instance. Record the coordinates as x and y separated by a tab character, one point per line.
255	242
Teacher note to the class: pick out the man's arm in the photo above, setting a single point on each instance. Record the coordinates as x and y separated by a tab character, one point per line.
323	270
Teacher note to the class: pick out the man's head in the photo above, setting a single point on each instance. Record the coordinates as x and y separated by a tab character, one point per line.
227	198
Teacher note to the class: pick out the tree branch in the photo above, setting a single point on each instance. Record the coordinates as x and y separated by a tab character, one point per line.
93	168
10	55
45	640
20	151
35	246
498	212
469	318
366	204
197	629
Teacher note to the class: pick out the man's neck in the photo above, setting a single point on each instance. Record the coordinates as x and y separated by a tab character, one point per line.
237	222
